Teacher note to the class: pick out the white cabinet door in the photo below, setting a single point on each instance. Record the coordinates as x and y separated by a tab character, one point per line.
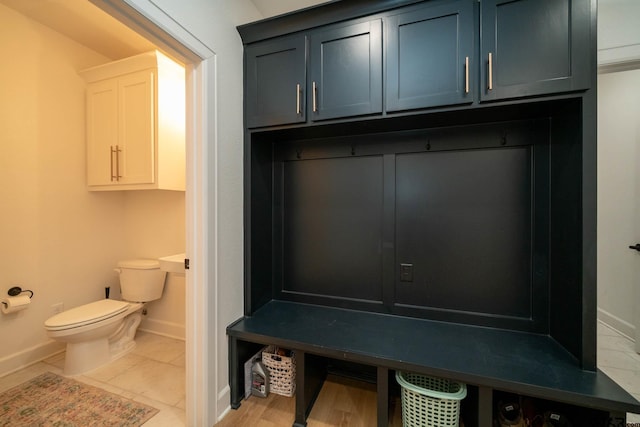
136	128
102	131
136	124
120	130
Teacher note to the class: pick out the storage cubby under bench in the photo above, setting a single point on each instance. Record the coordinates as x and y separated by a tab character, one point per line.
490	359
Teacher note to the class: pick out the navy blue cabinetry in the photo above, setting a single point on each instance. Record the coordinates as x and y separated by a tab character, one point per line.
430	56
534	47
345	69
275	79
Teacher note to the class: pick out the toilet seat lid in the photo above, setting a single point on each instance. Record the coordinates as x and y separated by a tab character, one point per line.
86	314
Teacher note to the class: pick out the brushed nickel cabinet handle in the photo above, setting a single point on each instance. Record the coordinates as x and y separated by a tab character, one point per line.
118	151
298	99
490	71
111	151
315	104
466	74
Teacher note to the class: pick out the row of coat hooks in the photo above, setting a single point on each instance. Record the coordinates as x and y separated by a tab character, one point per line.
503	141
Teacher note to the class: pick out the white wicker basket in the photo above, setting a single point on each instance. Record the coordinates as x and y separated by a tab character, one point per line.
282	371
429	401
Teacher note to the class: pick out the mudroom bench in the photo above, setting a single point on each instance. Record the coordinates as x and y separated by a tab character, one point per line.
420	194
487	360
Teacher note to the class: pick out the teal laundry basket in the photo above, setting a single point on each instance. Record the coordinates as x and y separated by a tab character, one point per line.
429	401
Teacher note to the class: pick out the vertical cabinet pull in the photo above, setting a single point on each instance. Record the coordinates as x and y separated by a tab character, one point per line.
314	90
466	74
115	177
298	99
111	152
118	151
490	71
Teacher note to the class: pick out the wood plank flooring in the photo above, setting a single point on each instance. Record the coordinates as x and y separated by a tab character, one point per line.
342	402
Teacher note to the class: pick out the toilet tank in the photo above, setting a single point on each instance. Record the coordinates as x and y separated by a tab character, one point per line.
141	280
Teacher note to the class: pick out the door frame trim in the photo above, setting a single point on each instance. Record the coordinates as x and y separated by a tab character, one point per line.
151	22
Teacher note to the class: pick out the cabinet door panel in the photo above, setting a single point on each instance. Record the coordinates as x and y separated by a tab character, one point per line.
136	100
430	55
273	72
346	71
102	131
545	53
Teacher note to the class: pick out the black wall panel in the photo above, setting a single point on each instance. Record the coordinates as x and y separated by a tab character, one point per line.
463	222
332	227
467	208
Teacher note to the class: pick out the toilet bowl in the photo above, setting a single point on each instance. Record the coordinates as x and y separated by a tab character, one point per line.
103	331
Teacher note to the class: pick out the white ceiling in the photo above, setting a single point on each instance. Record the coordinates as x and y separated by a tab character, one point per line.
85	23
270	8
80	20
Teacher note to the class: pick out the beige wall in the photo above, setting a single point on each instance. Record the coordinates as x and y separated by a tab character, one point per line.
56	238
618	31
154	227
618	198
618	163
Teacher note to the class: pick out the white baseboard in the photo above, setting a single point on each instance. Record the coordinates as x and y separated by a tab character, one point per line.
161	327
15	362
620	325
224	397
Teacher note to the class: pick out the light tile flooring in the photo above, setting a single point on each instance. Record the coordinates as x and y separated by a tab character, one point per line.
154	373
618	359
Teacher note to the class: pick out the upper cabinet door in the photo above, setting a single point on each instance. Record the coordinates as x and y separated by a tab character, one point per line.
276	82
430	56
534	47
102	131
136	118
345	71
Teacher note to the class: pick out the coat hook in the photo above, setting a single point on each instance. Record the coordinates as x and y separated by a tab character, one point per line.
299	154
428	146
503	139
353	150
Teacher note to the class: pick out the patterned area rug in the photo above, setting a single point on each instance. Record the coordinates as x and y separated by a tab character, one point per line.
52	400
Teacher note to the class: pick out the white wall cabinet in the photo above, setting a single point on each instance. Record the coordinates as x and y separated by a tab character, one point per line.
136	124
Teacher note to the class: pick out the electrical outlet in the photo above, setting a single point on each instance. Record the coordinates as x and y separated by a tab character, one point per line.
406	272
58	307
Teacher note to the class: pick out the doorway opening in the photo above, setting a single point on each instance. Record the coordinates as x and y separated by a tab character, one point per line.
152	23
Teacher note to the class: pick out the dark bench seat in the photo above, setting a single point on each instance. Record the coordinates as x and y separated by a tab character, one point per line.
528	364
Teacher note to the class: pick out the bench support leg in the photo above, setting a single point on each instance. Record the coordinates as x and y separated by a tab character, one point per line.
485	407
310	375
301	398
383	396
234	374
239	352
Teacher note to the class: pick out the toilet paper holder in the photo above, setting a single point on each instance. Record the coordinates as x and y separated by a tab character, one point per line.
17	290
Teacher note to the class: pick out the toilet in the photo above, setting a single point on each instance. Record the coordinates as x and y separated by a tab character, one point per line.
102	331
